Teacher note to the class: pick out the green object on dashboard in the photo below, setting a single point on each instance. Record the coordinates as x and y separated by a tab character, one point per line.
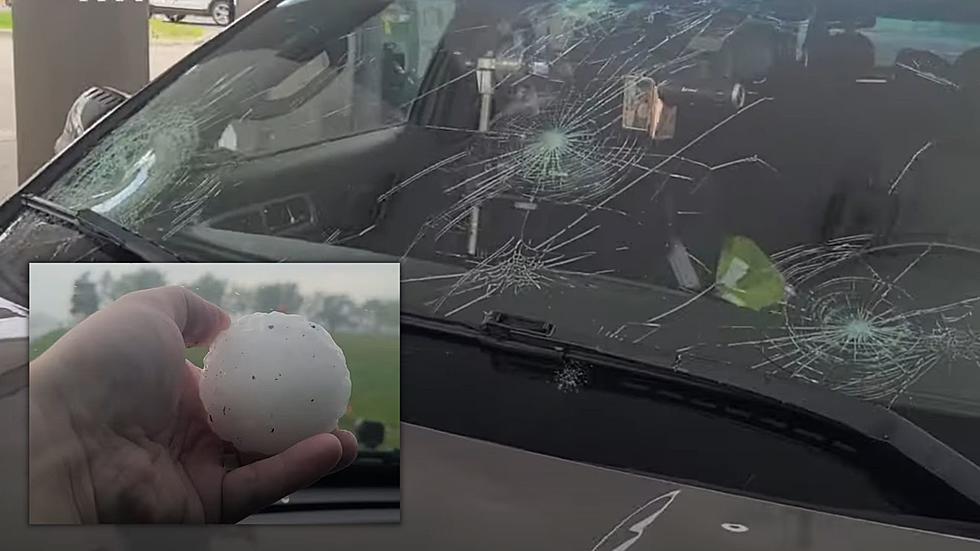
747	277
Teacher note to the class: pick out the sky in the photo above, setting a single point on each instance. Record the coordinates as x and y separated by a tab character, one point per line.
51	284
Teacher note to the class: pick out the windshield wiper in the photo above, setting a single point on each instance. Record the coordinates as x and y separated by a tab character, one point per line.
797	409
101	229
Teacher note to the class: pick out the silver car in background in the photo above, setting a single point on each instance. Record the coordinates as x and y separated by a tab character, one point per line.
222	12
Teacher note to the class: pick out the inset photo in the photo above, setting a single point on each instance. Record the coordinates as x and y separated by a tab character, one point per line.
214	393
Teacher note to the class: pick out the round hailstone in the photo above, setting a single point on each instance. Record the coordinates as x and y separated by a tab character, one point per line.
272	380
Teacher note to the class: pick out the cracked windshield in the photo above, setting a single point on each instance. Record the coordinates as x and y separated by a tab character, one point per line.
774	186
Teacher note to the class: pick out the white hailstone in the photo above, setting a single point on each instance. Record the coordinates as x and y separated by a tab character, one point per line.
272	380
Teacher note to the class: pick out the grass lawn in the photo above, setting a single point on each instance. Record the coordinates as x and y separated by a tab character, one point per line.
6	21
165	30
374	364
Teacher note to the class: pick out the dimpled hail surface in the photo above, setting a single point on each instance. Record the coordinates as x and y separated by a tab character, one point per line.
272	380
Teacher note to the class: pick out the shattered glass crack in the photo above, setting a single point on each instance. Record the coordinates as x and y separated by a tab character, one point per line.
863	333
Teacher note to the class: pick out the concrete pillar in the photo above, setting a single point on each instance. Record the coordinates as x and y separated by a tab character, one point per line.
62	47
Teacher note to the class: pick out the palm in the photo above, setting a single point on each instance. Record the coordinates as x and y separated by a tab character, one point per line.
175	475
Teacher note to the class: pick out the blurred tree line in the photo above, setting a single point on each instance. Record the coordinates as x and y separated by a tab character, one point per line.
338	313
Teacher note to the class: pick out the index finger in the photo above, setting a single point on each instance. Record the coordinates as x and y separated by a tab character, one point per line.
248	489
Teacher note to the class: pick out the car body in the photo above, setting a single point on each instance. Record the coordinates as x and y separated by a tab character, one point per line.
222	12
695	261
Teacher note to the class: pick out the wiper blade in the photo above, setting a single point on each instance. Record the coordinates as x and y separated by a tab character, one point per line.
870	425
98	227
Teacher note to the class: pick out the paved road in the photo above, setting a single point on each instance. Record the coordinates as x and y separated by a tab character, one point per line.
162	56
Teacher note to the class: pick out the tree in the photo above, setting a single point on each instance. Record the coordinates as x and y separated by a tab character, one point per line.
311	306
146	278
105	285
336	313
240	300
371	316
209	288
382	315
84	298
280	297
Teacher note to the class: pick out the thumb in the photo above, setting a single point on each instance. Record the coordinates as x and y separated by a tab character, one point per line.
198	320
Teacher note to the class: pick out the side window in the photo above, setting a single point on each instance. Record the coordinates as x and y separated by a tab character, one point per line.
363	81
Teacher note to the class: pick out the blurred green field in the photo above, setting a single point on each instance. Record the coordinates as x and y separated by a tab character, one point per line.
373	362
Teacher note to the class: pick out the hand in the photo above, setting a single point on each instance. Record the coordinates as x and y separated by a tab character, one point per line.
118	432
